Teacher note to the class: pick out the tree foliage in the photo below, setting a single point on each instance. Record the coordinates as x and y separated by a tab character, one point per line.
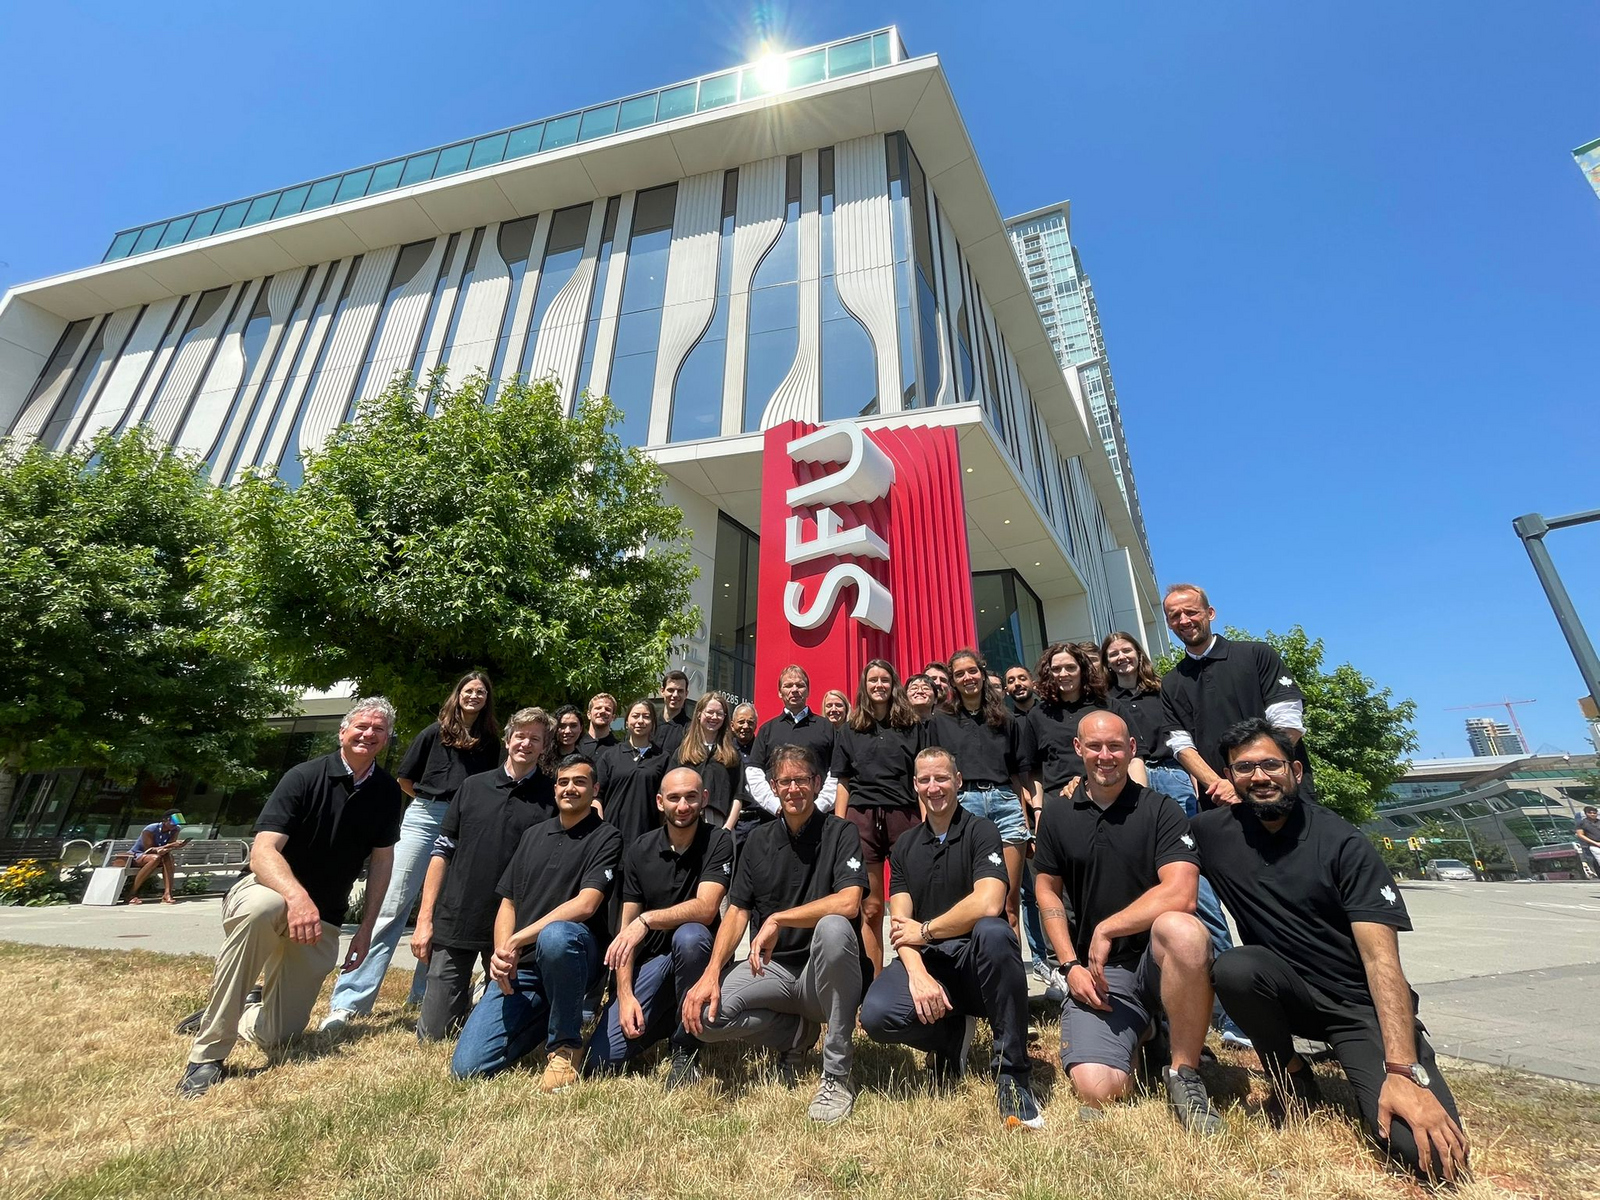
110	655
507	537
1357	734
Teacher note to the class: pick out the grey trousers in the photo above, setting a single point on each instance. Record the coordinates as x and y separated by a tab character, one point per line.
777	1007
449	996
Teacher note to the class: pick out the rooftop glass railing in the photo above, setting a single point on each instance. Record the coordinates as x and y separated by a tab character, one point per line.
773	74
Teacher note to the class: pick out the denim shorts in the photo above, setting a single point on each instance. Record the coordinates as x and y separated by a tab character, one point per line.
1001	806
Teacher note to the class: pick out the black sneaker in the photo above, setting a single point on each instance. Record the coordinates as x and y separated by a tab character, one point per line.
1187	1096
684	1071
1293	1092
1018	1108
198	1079
253	996
787	1065
190	1025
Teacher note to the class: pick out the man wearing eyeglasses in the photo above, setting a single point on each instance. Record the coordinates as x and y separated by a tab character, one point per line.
800	881
1319	916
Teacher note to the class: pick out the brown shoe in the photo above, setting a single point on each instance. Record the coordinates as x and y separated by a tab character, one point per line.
561	1071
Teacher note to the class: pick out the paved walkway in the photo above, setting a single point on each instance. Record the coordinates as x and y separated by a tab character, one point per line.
1507	972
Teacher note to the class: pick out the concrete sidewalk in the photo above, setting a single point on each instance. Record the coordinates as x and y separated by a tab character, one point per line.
1507	972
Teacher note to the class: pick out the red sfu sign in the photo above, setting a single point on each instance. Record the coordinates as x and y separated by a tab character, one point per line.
863	553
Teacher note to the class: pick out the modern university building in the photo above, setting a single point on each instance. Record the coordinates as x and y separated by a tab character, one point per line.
737	259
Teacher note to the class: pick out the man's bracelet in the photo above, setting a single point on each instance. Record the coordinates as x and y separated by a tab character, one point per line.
644	919
1067	966
927	936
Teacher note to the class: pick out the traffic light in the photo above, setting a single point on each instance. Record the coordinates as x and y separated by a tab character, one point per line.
1388	843
1413	843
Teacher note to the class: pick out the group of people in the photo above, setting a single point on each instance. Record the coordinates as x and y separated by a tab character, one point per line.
700	877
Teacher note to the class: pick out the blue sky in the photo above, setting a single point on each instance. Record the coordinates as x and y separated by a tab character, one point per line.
1345	263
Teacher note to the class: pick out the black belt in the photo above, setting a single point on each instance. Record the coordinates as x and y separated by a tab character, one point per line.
978	785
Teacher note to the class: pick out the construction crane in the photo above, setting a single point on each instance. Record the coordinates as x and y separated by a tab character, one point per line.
1511	712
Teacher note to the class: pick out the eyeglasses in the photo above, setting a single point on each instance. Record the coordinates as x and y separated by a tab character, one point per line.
1272	766
796	781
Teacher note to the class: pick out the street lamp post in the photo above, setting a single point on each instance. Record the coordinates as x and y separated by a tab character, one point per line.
1531	528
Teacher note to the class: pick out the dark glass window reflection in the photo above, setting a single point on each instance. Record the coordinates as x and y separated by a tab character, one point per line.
732	660
1010	620
774	334
563	251
644	289
291	469
697	392
597	294
406	265
849	362
516	243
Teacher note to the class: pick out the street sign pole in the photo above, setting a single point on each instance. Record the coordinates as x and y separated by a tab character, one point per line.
1531	529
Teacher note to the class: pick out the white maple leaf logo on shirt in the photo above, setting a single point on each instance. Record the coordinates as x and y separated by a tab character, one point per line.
727	868
1285	681
996	859
608	874
853	863
1388	894
1187	841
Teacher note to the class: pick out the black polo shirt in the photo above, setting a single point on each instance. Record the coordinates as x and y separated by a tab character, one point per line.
877	764
1296	891
332	826
593	747
723	785
627	782
437	770
552	865
670	732
938	873
1048	732
1108	859
1235	680
1146	715
811	729
656	876
486	821
987	755
780	870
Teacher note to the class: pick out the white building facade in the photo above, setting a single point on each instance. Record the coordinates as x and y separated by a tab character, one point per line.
806	238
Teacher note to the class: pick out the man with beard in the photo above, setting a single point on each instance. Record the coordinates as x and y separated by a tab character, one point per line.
1318	915
1019	687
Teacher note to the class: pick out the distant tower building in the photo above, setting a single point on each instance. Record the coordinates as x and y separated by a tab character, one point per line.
1042	240
1490	737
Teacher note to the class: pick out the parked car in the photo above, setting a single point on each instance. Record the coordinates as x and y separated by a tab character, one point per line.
1447	868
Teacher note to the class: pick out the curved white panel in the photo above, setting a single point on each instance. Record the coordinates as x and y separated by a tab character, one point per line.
184	377
315	329
144	400
691	294
325	407
397	341
523	314
758	221
30	424
799	396
560	344
863	249
210	408
605	338
447	299
944	259
130	367
113	341
485	307
249	412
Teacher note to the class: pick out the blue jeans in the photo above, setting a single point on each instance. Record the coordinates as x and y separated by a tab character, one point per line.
1177	783
546	1003
659	985
1002	807
356	991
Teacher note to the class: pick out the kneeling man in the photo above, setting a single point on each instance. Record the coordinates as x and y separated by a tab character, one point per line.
283	918
673	881
553	922
1319	916
1122	857
957	955
802	881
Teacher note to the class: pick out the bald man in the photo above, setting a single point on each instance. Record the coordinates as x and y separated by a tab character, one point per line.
1122	858
673	881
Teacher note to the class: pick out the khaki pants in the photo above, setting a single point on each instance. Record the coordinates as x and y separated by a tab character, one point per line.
256	945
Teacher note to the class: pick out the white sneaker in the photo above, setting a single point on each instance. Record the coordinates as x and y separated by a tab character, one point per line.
336	1020
1055	987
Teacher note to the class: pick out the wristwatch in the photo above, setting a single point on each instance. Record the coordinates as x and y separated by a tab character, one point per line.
1416	1072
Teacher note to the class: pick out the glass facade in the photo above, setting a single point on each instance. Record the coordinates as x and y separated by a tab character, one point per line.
290	467
1010	620
406	265
644	290
774	331
850	57
563	251
731	663
697	392
849	363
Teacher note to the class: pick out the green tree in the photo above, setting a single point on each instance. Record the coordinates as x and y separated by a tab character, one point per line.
110	655
507	537
1357	734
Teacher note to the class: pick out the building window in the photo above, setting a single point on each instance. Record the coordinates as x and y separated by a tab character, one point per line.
644	289
563	251
731	662
774	333
460	304
900	226
849	361
290	468
435	304
697	392
252	340
597	295
406	265
67	404
515	242
1010	620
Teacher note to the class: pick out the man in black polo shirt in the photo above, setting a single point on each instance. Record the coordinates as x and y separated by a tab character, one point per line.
675	715
673	881
1019	687
802	881
283	918
957	955
548	938
796	725
1121	856
1319	916
481	830
597	735
1217	683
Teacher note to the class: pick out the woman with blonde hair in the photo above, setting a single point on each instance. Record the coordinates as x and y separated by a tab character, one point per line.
709	748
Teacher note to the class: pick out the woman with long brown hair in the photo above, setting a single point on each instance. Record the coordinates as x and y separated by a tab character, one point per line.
709	748
874	760
464	741
1069	686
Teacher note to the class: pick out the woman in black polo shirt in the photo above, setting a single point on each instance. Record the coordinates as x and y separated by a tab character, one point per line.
464	741
569	730
1069	685
630	774
708	747
874	759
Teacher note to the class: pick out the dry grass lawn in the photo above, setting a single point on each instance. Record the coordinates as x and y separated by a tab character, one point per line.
87	1109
